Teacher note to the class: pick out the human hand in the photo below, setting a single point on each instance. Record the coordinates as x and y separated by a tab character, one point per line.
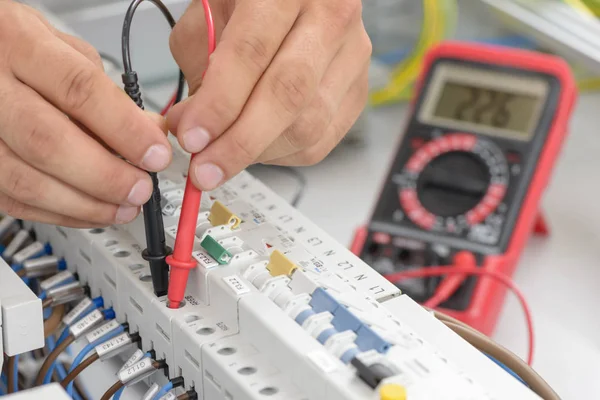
287	81
61	119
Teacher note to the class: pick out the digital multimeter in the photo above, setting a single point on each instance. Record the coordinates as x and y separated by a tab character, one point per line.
486	127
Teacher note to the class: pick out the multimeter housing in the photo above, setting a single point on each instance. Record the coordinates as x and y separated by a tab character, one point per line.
459	182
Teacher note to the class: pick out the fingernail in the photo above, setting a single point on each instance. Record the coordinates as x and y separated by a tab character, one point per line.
140	193
195	140
125	214
156	158
208	176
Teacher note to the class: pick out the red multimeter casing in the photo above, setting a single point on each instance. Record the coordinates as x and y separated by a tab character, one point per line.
486	127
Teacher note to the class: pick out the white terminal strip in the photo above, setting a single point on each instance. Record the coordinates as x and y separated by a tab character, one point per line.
246	331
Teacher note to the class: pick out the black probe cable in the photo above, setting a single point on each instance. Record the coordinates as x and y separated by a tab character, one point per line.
156	249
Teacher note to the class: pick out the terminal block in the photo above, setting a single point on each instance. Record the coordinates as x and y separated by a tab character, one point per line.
275	309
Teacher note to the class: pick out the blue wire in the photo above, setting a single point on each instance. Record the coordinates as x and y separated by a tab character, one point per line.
164	390
505	368
15	377
4	379
89	348
60	369
117	396
65	332
63	336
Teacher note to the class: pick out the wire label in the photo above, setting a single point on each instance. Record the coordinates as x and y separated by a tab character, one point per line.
76	312
169	396
102	330
86	323
138	371
236	284
107	348
55	280
135	357
204	259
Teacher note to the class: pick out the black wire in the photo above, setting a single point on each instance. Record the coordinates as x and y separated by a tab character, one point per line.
156	250
118	65
180	87
294	173
126	50
127	28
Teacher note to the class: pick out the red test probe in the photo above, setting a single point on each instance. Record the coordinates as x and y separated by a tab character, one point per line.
181	261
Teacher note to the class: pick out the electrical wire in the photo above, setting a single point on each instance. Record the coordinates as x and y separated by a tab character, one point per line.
89	348
499	353
63	335
119	393
156	248
53	322
80	393
12	371
292	172
46	303
60	369
488	346
581	7
74	372
126	51
433	30
503	279
506	369
49	362
176	98
164	390
181	260
112	390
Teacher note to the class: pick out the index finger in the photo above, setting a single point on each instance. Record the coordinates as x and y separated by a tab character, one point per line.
245	51
81	90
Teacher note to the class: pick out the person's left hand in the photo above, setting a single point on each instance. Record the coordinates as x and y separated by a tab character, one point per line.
287	81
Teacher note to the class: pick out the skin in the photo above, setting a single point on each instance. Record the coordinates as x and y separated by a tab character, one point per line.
61	121
287	81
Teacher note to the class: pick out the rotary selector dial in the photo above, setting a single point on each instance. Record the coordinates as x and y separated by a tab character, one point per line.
453	182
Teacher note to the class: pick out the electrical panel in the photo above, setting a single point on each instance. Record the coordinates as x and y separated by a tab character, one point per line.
276	309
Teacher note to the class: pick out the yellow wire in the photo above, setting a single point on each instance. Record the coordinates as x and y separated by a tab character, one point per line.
593	6
581	6
432	32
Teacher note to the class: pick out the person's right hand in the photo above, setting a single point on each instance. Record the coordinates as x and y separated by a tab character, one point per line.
61	121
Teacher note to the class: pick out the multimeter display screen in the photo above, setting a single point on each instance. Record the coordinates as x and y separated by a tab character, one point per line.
482	106
485	101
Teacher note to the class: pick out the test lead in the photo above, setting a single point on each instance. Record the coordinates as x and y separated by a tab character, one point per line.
181	261
156	250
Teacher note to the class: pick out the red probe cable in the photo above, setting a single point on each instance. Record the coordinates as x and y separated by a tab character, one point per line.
452	282
438	271
165	110
181	261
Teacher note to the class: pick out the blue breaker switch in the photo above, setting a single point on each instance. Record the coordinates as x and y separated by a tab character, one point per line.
326	334
323	301
367	339
344	320
303	316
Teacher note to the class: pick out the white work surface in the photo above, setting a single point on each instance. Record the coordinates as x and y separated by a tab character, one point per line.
559	274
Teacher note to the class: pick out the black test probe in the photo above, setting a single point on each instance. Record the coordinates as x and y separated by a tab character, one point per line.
156	250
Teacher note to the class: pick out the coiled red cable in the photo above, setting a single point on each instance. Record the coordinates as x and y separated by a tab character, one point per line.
469	271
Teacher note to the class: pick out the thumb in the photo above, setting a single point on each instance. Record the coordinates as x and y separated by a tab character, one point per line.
158	120
175	113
